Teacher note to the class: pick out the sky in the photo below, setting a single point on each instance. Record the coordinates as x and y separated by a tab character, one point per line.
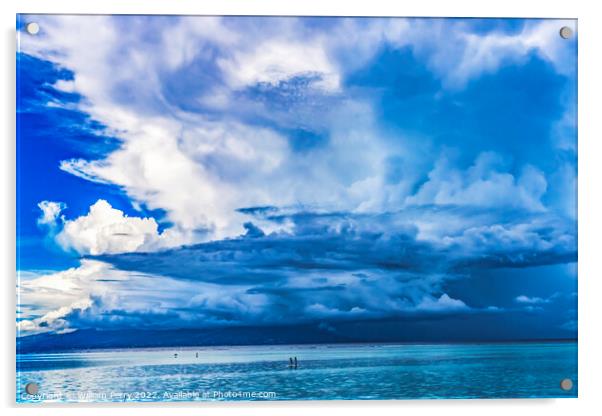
349	173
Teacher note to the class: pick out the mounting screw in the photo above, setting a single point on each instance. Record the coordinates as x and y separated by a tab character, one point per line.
566	32
32	28
32	388
566	384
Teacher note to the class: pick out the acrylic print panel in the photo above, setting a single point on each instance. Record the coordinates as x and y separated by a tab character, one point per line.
295	208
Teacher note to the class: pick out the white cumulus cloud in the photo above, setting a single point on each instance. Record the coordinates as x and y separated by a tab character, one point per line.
50	213
535	300
103	230
485	184
443	303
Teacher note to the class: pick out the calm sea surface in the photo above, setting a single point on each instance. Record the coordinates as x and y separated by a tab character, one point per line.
381	371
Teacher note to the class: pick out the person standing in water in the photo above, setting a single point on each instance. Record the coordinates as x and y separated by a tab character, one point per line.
295	362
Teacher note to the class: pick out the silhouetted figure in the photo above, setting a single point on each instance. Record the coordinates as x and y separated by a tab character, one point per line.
197	355
290	362
175	355
295	362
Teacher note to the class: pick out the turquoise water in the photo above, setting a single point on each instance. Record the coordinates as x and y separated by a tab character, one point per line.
382	371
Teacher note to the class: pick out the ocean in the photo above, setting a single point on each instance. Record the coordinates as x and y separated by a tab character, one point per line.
323	372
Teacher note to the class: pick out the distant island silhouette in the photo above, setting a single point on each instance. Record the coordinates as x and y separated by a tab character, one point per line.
267	335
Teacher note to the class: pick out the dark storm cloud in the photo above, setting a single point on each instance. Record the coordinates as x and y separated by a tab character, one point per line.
346	242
